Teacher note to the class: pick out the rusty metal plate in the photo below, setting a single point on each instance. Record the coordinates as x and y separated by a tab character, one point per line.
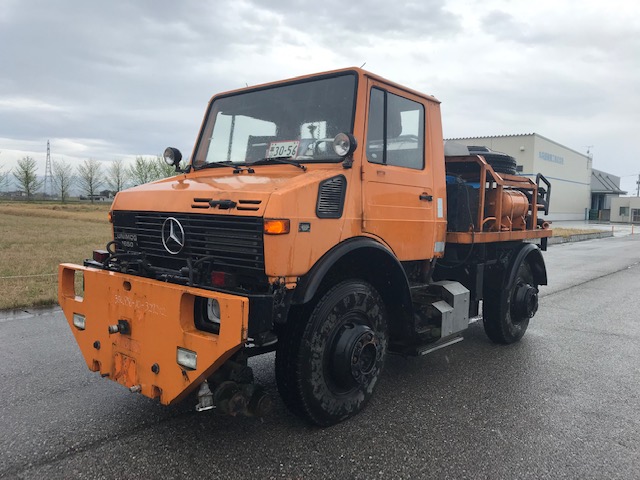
124	370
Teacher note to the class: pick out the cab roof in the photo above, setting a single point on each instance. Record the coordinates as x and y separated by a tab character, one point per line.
361	73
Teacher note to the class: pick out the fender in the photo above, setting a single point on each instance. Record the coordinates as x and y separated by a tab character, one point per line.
531	253
310	283
363	257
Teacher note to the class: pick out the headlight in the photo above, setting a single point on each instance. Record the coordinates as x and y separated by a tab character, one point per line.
172	156
344	144
187	358
79	321
213	310
206	311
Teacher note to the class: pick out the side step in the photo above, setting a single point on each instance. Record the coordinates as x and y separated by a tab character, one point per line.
424	349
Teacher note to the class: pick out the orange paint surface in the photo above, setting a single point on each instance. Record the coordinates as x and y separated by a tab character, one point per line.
161	319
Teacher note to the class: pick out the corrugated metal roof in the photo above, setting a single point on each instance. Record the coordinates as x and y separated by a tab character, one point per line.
494	136
524	135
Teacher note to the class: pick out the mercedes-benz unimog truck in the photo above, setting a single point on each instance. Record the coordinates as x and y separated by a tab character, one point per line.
320	217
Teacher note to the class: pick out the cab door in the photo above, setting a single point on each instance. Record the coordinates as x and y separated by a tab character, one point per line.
398	198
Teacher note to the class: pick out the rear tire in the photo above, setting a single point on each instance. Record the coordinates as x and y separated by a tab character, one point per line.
506	314
328	361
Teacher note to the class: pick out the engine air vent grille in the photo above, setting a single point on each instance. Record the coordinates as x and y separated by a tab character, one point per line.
201	203
253	205
331	194
250	205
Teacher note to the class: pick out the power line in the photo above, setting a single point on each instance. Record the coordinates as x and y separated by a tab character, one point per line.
48	176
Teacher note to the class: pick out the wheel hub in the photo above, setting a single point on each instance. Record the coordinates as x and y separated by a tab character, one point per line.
355	356
526	301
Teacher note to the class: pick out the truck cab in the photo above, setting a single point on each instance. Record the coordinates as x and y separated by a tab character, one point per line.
311	220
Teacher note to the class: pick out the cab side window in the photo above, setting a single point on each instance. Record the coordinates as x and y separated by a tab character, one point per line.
395	134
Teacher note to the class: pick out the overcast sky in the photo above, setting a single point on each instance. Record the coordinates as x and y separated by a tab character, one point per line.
121	78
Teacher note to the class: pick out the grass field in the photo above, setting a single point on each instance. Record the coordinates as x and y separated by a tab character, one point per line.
35	238
567	232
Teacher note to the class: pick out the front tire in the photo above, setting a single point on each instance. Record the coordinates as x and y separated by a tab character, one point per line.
328	362
506	314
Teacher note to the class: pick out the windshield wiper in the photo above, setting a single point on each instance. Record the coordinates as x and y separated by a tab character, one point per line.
236	168
283	160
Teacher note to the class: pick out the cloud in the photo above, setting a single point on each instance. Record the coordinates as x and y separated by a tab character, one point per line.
376	18
110	79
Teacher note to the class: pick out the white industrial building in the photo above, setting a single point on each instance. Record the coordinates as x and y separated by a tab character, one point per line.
625	209
568	171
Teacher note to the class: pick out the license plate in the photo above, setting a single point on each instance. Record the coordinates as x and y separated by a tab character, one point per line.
124	370
283	149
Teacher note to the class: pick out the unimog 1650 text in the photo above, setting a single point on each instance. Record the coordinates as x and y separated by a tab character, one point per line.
322	217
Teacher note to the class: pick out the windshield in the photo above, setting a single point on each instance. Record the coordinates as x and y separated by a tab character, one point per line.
296	121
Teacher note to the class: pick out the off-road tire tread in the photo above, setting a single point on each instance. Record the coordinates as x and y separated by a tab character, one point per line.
289	355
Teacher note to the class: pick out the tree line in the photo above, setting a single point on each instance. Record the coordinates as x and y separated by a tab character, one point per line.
89	177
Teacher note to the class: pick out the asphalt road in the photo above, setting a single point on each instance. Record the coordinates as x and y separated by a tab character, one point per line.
563	403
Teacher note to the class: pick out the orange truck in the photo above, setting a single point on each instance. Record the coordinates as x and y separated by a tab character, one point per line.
323	218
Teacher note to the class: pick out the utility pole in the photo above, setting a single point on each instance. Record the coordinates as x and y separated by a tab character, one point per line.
638	186
48	176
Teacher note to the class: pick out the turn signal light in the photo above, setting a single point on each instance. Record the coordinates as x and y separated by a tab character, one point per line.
276	226
110	216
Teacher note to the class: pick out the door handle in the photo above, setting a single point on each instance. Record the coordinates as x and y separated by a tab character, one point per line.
427	197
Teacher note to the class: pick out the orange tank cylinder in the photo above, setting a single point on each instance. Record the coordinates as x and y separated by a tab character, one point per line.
515	206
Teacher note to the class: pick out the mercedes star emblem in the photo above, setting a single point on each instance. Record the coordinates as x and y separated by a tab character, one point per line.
172	236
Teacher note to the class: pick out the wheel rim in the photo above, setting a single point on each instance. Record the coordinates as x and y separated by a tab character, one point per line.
354	356
525	303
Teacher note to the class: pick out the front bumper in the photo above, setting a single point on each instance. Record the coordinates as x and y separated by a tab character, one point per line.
160	316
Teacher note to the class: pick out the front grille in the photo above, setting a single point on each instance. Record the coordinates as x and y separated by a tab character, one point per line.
223	242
